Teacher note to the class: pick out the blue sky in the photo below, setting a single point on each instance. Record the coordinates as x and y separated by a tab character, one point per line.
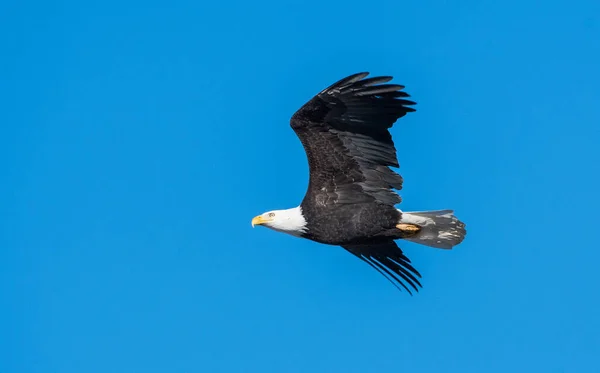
140	138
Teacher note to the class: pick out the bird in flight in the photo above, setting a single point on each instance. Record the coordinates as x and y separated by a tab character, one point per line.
351	198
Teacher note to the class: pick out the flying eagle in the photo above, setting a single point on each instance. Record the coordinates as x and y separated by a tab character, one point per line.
350	201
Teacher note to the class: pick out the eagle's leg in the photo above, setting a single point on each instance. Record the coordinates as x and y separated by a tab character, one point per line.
408	230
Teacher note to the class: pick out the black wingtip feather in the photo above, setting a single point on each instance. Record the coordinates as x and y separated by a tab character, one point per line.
398	94
374	91
406	275
405	262
388	258
393	275
378	89
345	81
375	80
370	262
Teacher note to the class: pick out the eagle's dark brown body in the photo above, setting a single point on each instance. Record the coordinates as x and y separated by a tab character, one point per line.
347	224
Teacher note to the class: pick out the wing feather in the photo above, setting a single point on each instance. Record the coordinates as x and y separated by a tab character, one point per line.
388	258
345	132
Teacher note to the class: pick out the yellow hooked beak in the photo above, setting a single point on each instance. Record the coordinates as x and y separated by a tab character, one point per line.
258	220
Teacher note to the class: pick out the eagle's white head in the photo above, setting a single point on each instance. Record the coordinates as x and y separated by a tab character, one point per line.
289	221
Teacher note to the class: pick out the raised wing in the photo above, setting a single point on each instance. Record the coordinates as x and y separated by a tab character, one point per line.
344	131
389	260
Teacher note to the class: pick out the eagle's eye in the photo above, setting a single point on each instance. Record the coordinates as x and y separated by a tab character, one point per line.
271	214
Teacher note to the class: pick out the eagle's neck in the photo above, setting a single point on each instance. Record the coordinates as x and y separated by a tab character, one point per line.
290	221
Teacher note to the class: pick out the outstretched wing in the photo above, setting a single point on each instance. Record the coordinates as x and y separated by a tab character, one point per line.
388	259
344	131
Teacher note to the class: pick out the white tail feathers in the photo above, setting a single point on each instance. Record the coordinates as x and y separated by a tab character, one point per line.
439	229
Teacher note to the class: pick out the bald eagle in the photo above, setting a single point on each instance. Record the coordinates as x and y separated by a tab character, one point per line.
350	201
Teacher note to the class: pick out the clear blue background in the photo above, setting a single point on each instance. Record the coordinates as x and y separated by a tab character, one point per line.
140	138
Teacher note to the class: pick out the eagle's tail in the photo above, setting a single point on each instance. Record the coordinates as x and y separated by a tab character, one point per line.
439	229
